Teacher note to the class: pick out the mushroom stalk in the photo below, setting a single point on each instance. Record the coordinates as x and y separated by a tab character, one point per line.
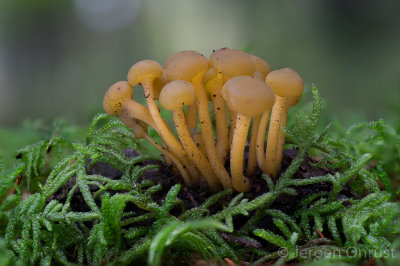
221	122
260	147
281	139
248	97
232	122
166	134
135	110
183	171
208	135
198	140
291	101
288	87
240	182
252	157
190	147
167	160
191	116
140	132
273	133
231	63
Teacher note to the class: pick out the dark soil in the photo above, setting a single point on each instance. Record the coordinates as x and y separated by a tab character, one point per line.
194	197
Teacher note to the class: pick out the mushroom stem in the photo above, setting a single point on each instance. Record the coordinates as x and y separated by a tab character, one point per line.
190	147
167	160
141	132
232	121
273	133
248	97
198	140
240	182
164	131
262	129
191	116
288	87
175	161
252	157
221	122
281	138
208	135
135	110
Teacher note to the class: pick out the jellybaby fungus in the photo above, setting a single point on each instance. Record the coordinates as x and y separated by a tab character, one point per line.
241	90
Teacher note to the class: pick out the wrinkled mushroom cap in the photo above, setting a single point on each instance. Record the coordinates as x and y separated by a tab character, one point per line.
248	95
116	94
185	65
285	82
260	65
143	70
177	94
231	62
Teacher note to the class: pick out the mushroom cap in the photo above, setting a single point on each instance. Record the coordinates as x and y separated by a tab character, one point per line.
209	75
115	95
292	101
260	65
185	65
231	62
144	69
285	82
248	95
159	83
209	80
258	75
176	94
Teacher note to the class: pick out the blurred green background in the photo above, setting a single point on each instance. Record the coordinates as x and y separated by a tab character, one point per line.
57	58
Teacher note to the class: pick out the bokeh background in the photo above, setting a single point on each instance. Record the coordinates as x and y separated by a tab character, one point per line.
57	58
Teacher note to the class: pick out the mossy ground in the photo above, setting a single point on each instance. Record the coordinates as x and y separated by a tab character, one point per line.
105	201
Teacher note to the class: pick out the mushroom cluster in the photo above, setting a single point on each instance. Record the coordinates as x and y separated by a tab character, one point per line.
240	90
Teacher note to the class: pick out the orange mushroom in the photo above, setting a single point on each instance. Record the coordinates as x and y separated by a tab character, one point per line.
190	66
235	82
262	67
285	83
145	72
230	63
262	70
174	96
248	97
118	101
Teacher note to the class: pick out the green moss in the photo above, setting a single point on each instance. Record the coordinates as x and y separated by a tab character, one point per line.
45	229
